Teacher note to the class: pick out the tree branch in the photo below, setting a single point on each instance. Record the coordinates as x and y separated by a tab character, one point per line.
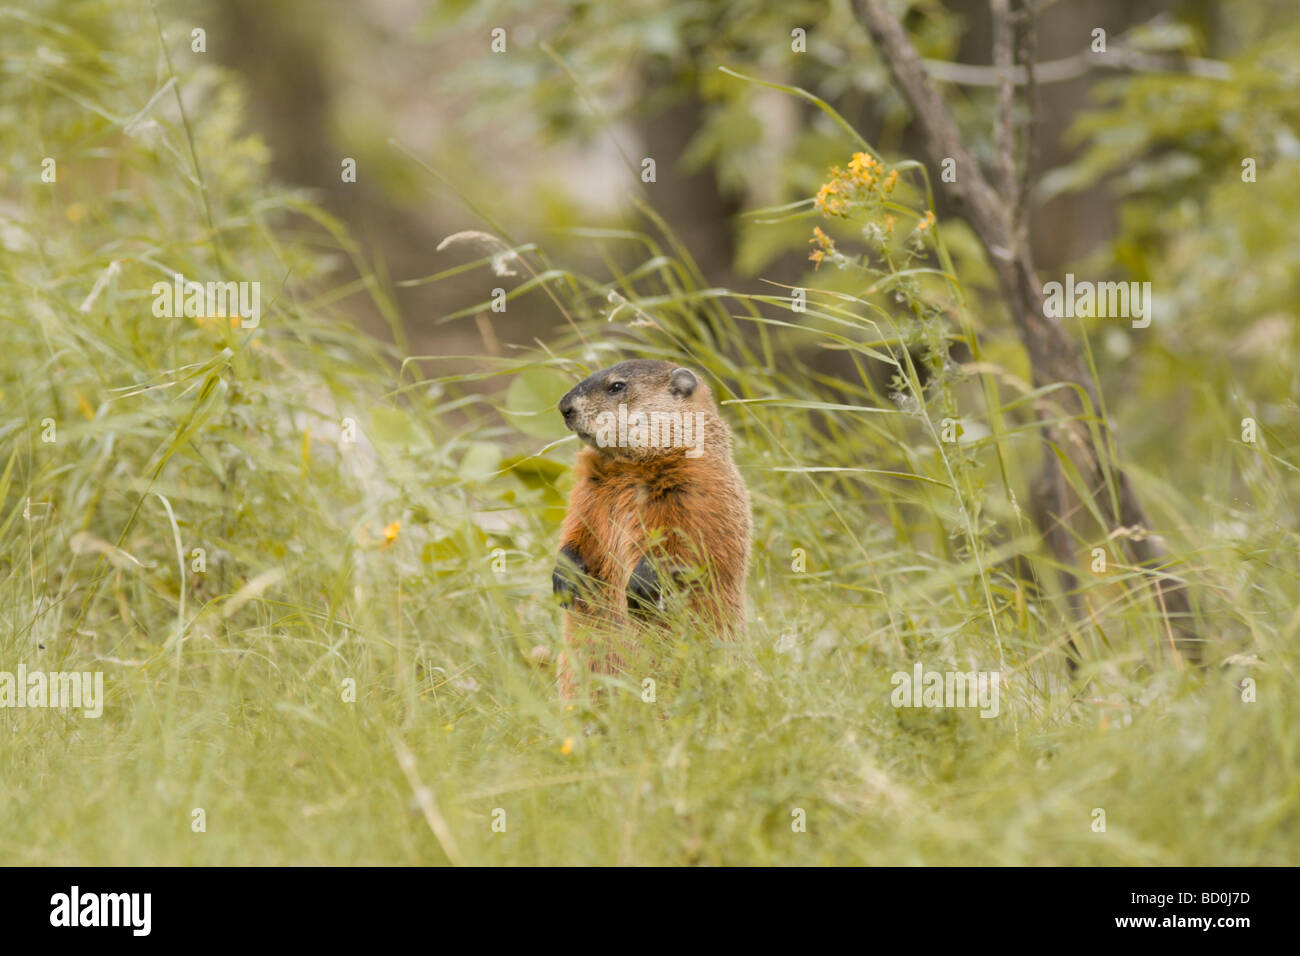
1072	67
1052	354
1003	52
1028	54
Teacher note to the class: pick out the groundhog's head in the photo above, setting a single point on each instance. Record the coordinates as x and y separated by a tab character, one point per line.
643	408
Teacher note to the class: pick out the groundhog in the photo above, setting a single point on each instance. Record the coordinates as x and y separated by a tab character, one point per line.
657	498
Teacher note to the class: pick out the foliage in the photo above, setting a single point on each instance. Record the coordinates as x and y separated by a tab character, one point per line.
375	562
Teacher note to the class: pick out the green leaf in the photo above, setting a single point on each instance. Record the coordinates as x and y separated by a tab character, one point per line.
480	461
531	399
394	426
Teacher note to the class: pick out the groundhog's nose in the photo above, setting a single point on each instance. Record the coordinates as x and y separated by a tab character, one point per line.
566	406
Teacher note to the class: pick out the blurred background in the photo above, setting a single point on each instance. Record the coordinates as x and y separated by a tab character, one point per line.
1136	172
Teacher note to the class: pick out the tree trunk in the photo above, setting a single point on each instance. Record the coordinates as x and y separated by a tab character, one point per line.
1054	356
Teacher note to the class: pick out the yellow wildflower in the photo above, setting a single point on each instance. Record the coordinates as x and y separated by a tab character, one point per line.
829	199
864	169
824	243
390	534
860	182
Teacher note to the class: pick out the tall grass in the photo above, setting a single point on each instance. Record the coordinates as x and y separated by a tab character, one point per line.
349	673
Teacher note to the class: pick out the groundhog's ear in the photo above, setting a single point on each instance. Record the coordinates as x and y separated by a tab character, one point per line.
683	382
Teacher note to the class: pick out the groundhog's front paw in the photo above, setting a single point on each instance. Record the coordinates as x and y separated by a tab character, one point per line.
567	577
643	591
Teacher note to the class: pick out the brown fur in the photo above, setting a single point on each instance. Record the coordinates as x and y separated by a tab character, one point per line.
684	514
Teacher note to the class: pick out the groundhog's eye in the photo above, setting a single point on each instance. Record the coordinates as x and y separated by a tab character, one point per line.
615	387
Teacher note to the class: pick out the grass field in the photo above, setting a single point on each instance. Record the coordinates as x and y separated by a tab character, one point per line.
326	645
